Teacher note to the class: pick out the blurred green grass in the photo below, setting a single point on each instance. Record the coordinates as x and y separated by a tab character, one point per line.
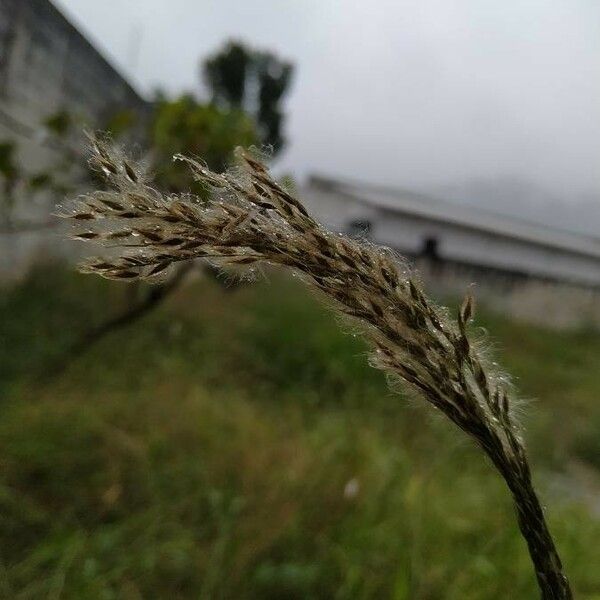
235	444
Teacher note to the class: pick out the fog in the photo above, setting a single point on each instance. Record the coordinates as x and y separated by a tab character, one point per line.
431	94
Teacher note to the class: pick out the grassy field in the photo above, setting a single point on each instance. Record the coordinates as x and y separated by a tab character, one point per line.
234	444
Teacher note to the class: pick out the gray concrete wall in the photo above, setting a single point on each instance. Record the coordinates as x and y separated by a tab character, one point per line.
47	66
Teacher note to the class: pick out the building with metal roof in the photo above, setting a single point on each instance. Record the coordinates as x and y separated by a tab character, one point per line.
445	232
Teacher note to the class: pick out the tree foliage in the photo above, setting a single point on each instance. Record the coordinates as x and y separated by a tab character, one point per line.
255	81
189	127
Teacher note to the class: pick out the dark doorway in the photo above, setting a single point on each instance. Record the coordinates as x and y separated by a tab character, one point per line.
359	228
430	249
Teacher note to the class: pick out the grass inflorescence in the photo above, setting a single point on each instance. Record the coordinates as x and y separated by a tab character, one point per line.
249	218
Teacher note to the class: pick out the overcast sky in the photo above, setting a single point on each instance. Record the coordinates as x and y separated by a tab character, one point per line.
407	93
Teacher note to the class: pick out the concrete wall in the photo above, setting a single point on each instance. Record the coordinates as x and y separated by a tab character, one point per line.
548	303
47	66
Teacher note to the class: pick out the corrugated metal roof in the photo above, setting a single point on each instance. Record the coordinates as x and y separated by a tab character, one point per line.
427	207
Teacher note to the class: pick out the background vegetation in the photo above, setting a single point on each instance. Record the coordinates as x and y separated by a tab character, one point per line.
234	444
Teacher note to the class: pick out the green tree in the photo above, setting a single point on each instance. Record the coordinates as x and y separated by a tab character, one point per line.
240	77
187	126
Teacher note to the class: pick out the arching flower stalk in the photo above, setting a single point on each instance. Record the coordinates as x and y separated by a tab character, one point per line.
249	218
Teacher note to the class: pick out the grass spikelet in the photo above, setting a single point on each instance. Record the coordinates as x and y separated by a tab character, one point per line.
250	218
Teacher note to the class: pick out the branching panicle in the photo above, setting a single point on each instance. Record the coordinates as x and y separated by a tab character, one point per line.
250	218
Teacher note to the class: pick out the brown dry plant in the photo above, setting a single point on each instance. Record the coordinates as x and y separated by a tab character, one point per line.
250	218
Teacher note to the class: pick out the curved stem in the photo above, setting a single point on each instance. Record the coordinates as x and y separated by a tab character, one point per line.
532	523
552	582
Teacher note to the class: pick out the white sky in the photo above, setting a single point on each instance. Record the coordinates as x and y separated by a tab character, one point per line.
406	93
